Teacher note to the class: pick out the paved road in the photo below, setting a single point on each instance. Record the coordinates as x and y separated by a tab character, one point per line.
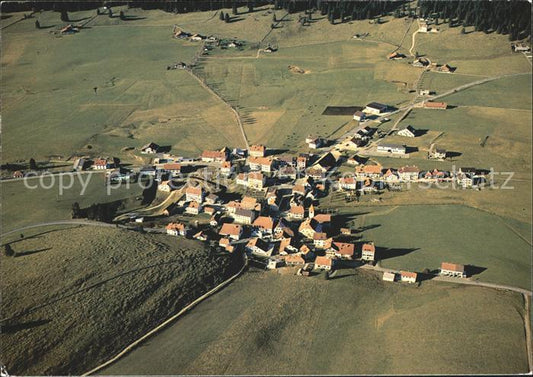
459	281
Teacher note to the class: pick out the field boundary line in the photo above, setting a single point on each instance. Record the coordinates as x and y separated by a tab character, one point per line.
17	21
168	321
233	110
527	325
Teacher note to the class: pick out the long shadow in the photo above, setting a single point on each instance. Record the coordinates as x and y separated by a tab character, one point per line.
453	154
410	150
80	19
366	227
24	253
387	253
421	276
472	270
10	329
132	18
235	19
420	132
164	148
271	152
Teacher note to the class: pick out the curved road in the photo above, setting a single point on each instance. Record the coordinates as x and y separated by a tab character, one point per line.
60	222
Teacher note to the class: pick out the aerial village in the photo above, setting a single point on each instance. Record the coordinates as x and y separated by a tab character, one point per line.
270	207
270	210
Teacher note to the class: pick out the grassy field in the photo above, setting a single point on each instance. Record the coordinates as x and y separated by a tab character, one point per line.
267	323
22	206
517	96
50	106
77	295
451	233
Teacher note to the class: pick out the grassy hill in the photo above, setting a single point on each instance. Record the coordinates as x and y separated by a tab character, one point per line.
72	297
267	323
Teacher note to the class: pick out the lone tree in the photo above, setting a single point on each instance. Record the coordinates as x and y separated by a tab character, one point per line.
463	31
37	24
64	16
234	8
274	17
226	18
122	17
110	14
8	251
33	164
221	16
76	211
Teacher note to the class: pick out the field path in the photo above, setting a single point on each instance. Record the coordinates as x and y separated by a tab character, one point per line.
235	113
60	222
458	281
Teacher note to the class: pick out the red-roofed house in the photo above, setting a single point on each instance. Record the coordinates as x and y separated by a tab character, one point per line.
265	224
408	173
344	250
409	277
435	105
233	231
323	263
452	270
176	229
194	193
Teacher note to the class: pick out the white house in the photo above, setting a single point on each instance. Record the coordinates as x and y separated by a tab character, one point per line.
368	252
392	148
408	173
359	116
408	131
389	276
150	148
375	108
275	262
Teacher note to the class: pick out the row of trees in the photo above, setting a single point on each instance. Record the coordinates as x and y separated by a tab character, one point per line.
99	212
506	17
502	17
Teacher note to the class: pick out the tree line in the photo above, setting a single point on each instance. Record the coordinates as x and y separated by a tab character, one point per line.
503	17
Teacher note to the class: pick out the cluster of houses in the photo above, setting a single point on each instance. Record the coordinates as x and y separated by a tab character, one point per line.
277	221
283	228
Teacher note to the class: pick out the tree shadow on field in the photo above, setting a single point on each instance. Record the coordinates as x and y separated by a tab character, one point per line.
235	19
132	18
366	227
25	253
387	253
11	329
453	154
79	19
